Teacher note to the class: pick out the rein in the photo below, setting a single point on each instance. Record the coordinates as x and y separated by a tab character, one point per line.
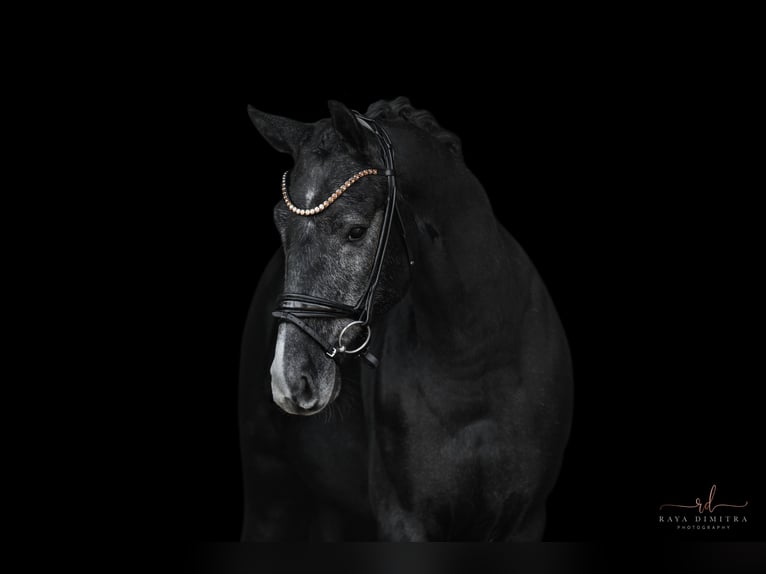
294	307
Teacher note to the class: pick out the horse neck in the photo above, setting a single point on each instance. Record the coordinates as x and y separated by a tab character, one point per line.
463	285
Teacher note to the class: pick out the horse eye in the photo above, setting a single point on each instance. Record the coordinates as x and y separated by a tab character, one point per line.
356	233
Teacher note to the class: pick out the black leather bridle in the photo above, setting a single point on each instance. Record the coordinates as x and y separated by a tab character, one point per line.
293	307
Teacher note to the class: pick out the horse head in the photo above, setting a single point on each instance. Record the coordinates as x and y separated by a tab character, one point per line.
341	271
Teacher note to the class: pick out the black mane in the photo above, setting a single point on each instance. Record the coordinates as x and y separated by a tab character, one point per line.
401	108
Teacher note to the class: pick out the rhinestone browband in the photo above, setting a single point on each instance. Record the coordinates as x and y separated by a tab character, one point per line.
326	203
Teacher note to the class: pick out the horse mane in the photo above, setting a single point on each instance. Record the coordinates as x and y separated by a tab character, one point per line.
401	108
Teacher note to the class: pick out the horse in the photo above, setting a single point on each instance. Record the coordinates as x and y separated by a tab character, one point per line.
404	373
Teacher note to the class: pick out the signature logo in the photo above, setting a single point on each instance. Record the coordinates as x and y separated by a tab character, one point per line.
707	506
710	515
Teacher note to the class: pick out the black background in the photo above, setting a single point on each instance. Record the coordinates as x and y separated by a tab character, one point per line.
629	179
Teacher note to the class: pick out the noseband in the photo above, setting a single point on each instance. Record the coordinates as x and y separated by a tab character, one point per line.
293	307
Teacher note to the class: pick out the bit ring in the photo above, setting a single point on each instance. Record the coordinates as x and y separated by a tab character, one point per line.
342	347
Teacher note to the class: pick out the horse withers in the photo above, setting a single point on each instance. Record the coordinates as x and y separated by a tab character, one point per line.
404	373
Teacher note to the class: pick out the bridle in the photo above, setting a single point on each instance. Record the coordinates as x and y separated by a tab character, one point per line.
293	307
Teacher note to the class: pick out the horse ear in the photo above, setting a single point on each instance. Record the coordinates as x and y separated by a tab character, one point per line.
283	134
346	126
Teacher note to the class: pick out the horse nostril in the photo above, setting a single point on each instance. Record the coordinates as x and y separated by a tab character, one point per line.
305	396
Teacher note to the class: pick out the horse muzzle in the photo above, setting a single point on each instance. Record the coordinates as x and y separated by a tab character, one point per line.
303	382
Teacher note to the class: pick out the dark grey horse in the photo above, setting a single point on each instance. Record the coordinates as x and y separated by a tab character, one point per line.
458	432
